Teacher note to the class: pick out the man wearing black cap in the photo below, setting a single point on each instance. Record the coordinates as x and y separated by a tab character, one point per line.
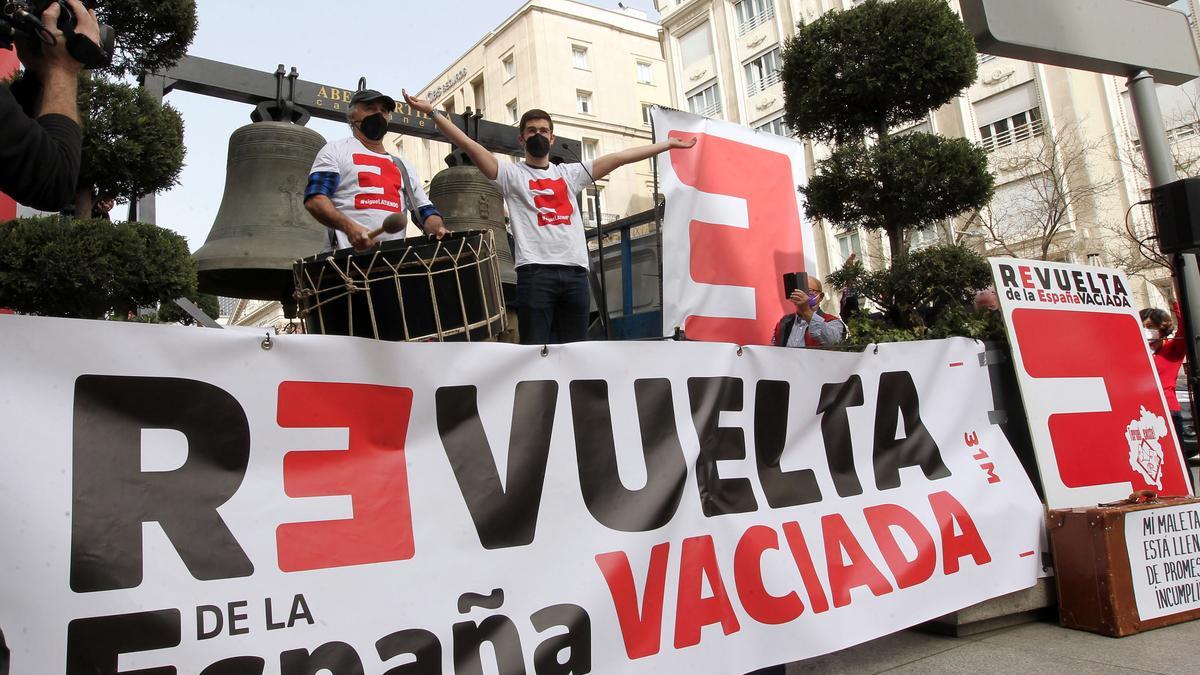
355	183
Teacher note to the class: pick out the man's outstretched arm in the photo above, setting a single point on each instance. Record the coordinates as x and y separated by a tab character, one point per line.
606	164
483	159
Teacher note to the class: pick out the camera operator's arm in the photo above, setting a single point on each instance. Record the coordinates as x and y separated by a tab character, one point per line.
39	159
54	65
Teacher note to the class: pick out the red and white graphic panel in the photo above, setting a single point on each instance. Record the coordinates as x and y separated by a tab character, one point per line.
1096	410
733	226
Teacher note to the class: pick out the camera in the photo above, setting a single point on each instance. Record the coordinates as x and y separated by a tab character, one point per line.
794	281
23	18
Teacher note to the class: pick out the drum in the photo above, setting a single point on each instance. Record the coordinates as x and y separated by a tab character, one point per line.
417	289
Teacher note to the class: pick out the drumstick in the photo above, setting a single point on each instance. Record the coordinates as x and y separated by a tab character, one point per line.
394	223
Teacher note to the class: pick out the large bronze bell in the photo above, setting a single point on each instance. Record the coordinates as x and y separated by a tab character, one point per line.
262	226
468	201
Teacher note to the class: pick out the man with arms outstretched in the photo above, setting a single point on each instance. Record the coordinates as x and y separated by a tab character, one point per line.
550	249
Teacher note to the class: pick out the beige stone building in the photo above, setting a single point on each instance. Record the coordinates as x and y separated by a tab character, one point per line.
596	71
1061	143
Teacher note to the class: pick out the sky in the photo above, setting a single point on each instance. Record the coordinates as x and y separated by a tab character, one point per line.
412	42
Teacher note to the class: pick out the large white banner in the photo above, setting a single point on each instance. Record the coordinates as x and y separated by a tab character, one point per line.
1097	415
180	498
734	224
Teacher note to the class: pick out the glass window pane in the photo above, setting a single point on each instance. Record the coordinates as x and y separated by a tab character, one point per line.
695	46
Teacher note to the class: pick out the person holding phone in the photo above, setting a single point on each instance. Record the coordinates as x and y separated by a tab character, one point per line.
809	325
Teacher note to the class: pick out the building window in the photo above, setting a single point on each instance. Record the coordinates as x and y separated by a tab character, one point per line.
1020	127
706	102
925	126
849	242
763	72
646	113
1009	117
592	213
584	101
695	46
510	68
645	73
511	107
923	238
579	57
477	93
753	13
775	126
589	149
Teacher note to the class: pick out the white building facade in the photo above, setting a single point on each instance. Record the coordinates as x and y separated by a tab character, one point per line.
1062	143
596	71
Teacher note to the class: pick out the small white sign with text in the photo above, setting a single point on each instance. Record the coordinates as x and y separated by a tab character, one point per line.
1164	559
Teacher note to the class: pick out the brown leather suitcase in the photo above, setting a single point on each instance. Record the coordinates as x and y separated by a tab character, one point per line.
1092	565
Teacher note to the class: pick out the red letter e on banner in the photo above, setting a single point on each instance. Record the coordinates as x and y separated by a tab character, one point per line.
372	471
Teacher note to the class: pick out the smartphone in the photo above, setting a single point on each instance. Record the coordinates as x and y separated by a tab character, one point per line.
793	281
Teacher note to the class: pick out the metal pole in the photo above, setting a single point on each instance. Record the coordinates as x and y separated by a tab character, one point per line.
600	253
1160	168
145	209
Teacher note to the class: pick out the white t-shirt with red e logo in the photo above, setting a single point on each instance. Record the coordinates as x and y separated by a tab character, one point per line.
544	212
370	186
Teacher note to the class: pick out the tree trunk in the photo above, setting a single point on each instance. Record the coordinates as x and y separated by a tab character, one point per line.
895	242
895	234
83	203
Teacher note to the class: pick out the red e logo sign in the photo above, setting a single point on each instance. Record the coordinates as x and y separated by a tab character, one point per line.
372	471
1125	444
756	257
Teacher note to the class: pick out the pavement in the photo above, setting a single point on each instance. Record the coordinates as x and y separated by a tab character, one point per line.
1037	647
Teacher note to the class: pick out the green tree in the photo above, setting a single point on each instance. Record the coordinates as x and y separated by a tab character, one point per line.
151	34
132	146
849	78
925	294
91	269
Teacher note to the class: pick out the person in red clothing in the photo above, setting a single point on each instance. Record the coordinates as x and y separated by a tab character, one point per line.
1169	353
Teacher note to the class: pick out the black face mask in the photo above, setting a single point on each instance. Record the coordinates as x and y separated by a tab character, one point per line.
537	145
374	127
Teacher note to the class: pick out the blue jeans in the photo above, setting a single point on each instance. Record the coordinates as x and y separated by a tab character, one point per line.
553	303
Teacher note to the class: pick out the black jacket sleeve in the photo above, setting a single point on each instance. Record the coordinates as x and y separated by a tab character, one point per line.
39	159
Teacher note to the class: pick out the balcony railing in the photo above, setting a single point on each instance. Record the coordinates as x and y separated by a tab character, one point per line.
589	219
755	88
713	110
756	20
1016	134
